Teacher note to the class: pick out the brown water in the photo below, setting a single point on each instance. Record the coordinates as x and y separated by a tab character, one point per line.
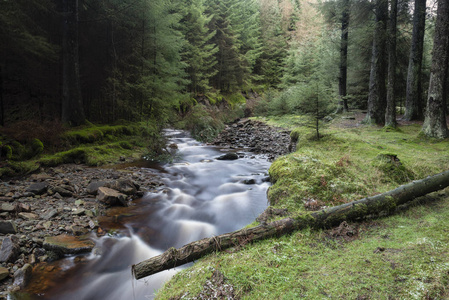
202	197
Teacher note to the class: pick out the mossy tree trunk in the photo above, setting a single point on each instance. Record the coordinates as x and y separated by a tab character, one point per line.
435	120
357	210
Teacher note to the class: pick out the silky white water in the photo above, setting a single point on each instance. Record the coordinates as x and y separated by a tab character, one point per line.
202	197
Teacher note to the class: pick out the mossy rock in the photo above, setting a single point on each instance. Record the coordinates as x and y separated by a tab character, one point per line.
37	147
6	152
125	145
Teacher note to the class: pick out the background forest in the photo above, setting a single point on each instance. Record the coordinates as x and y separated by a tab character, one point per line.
104	61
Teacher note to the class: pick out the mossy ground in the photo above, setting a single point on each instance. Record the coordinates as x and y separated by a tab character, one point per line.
93	145
403	256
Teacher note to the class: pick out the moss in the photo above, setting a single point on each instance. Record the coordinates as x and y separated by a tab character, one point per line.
37	147
392	168
76	155
125	145
18	150
7	152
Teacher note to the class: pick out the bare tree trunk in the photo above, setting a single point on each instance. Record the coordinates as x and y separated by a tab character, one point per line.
377	88
72	104
413	100
390	115
2	104
386	202
435	121
342	80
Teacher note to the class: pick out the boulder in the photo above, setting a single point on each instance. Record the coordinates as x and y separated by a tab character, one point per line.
93	187
67	244
7	227
228	156
9	251
125	186
111	197
37	188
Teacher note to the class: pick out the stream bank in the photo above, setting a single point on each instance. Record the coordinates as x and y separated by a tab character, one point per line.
66	205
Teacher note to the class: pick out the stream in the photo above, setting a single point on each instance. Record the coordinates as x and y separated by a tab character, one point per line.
202	197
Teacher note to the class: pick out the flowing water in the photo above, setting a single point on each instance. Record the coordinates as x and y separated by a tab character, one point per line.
202	197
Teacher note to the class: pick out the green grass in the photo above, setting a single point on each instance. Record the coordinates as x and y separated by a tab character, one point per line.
403	256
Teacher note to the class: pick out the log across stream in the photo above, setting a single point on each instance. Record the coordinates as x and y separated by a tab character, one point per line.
202	197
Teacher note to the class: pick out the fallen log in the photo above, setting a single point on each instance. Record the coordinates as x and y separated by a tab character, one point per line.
360	209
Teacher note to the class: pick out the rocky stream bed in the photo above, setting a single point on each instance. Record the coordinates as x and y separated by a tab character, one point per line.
50	214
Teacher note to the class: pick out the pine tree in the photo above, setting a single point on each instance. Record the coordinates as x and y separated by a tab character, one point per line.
413	103
435	120
377	87
199	53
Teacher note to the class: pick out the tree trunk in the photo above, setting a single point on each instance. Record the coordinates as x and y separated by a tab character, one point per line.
72	104
435	120
386	202
342	80
390	115
377	88
413	100
2	104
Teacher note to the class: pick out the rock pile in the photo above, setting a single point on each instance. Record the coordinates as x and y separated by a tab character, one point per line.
44	216
257	137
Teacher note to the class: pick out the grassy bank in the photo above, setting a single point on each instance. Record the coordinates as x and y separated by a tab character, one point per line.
403	256
91	144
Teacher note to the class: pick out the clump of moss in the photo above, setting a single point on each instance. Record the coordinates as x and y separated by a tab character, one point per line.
76	155
392	168
125	145
37	147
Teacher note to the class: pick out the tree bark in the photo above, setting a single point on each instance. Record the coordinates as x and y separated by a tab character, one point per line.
72	104
390	114
435	121
342	80
413	100
375	205
377	87
2	104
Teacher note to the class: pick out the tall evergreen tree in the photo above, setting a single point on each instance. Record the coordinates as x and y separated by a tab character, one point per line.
390	114
435	120
377	87
343	77
72	104
199	53
414	101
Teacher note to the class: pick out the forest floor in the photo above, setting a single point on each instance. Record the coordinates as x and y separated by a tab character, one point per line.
398	256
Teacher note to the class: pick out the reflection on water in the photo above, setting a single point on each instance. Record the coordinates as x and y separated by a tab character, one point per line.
202	197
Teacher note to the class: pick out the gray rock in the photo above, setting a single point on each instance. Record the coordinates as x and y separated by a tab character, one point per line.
93	187
4	273
50	214
125	186
8	207
111	197
228	156
62	191
9	251
7	227
37	188
23	276
249	181
28	216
